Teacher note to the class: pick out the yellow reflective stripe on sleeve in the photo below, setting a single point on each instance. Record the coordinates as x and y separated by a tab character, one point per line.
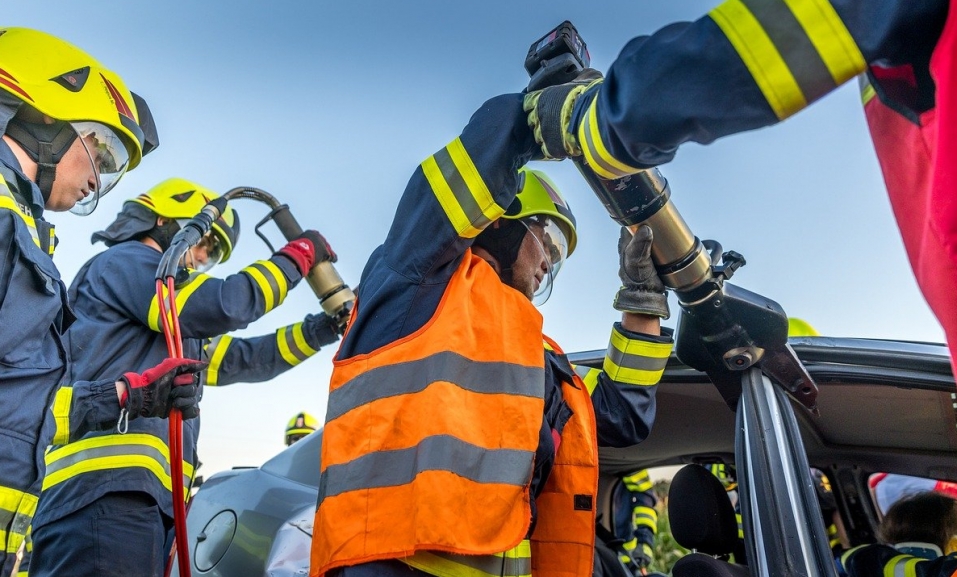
183	292
759	54
830	37
516	562
595	151
267	285
216	349
796	50
281	284
638	482
738	519
645	517
292	344
630	546
634	361
460	190
16	514
112	452
61	415
588	376
902	566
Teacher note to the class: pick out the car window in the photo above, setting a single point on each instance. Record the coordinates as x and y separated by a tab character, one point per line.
632	521
888	488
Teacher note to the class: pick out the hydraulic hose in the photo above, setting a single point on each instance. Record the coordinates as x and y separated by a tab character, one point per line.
334	295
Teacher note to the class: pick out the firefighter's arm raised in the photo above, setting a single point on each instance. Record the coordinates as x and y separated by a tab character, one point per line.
738	68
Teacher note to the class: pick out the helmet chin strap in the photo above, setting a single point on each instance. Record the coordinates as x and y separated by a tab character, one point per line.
46	144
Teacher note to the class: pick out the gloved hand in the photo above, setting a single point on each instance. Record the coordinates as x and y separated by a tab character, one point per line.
642	292
550	111
170	384
307	249
643	555
322	328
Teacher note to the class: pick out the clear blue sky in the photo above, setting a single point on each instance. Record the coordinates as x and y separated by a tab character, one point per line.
330	107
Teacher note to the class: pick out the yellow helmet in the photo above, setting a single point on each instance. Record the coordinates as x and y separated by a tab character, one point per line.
179	199
58	80
66	83
801	328
300	426
538	195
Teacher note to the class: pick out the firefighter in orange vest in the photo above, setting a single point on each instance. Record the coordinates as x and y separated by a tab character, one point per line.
458	439
752	63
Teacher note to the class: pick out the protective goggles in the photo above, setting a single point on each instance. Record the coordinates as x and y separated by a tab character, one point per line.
109	158
554	246
293	437
205	254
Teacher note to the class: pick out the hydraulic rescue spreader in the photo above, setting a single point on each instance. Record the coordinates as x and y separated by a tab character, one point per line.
723	329
334	295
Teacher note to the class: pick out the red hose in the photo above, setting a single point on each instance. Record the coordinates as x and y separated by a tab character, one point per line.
169	317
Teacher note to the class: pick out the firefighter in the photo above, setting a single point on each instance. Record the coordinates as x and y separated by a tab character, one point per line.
109	493
458	438
70	129
300	426
750	64
636	520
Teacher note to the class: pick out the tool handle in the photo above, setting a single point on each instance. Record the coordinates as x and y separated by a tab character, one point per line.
334	295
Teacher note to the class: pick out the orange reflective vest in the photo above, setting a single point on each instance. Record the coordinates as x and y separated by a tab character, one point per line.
918	157
429	442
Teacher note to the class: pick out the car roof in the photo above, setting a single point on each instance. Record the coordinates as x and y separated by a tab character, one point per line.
884	406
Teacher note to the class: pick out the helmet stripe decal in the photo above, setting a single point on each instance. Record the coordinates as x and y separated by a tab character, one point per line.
8	81
121	106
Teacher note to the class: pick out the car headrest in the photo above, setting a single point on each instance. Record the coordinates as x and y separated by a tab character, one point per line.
701	514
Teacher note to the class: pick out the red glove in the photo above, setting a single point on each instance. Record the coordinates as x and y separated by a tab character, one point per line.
307	249
170	384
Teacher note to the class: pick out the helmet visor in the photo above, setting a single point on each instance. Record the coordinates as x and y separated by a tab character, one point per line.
554	246
109	158
206	254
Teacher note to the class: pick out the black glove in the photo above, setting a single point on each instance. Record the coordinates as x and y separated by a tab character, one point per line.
643	555
550	112
307	249
170	384
642	292
322	329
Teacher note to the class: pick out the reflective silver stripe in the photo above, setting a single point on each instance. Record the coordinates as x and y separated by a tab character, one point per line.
55	465
436	453
493	564
273	284
581	370
637	362
463	194
289	347
799	54
437	562
6	518
415	376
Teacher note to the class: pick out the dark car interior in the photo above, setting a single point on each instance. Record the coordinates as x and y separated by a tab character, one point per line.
883	407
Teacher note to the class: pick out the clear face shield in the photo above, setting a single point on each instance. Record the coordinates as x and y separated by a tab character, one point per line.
109	159
554	246
206	254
